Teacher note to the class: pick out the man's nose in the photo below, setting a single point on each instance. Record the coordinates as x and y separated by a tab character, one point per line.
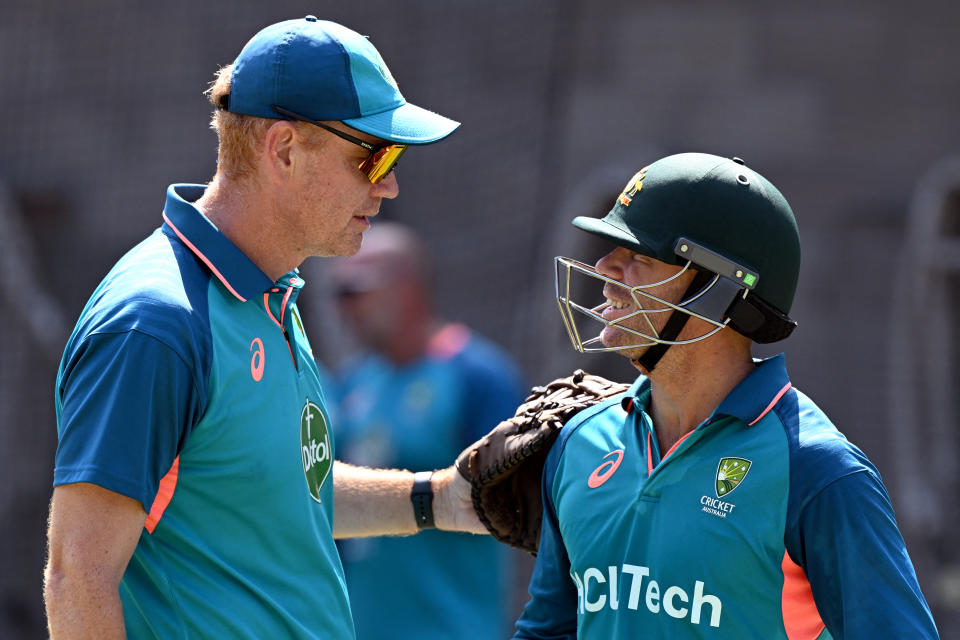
388	187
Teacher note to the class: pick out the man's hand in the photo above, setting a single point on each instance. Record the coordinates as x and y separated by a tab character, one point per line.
452	505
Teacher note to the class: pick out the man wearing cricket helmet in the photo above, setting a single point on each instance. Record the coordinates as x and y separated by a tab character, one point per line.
712	498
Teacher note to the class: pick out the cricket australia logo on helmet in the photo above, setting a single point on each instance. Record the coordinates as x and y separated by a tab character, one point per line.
633	187
315	449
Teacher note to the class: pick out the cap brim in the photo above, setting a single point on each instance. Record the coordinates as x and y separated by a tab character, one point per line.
407	124
622	237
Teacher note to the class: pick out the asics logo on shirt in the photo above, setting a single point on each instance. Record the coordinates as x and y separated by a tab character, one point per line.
257	360
602	473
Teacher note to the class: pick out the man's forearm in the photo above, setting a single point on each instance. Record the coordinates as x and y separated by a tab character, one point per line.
371	502
376	502
77	611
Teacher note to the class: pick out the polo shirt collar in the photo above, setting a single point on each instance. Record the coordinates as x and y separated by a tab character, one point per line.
637	396
759	392
749	401
229	264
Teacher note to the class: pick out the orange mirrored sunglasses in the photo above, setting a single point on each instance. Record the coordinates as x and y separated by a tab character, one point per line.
382	159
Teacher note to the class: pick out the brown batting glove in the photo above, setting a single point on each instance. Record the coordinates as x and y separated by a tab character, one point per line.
504	467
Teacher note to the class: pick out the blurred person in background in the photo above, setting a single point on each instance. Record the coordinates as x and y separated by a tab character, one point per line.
421	390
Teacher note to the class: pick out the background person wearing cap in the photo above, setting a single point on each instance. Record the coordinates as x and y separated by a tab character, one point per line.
193	490
420	390
713	499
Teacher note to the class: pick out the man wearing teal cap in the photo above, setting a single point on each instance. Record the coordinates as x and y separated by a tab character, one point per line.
712	499
195	487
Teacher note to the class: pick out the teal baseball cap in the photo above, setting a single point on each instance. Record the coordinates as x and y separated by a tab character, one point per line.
326	71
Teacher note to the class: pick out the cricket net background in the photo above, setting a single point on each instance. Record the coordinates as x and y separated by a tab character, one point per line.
851	111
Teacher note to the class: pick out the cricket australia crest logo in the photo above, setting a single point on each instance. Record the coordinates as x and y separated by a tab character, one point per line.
315	448
730	473
633	187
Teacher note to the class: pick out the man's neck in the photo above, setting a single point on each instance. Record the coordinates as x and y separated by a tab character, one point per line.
687	387
244	215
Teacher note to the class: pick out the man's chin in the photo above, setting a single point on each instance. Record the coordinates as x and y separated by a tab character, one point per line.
613	338
622	343
345	246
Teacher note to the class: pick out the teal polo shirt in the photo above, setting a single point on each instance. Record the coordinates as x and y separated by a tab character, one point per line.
763	522
188	384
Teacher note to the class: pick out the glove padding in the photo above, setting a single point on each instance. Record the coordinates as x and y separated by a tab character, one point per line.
504	467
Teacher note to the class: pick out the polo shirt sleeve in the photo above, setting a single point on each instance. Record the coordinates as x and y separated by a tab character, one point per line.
862	580
128	403
551	613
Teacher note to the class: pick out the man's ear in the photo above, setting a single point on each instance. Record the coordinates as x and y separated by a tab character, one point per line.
279	144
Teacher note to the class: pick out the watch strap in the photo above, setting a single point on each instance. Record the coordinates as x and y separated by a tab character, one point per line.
422	498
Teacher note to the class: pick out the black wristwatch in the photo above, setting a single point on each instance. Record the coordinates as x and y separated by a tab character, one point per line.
422	498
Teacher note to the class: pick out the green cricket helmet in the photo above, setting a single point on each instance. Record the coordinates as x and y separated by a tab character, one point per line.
709	214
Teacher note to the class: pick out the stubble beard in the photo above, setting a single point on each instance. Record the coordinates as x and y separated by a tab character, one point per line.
617	337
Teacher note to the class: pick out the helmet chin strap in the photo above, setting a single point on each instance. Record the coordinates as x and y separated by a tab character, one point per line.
675	324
